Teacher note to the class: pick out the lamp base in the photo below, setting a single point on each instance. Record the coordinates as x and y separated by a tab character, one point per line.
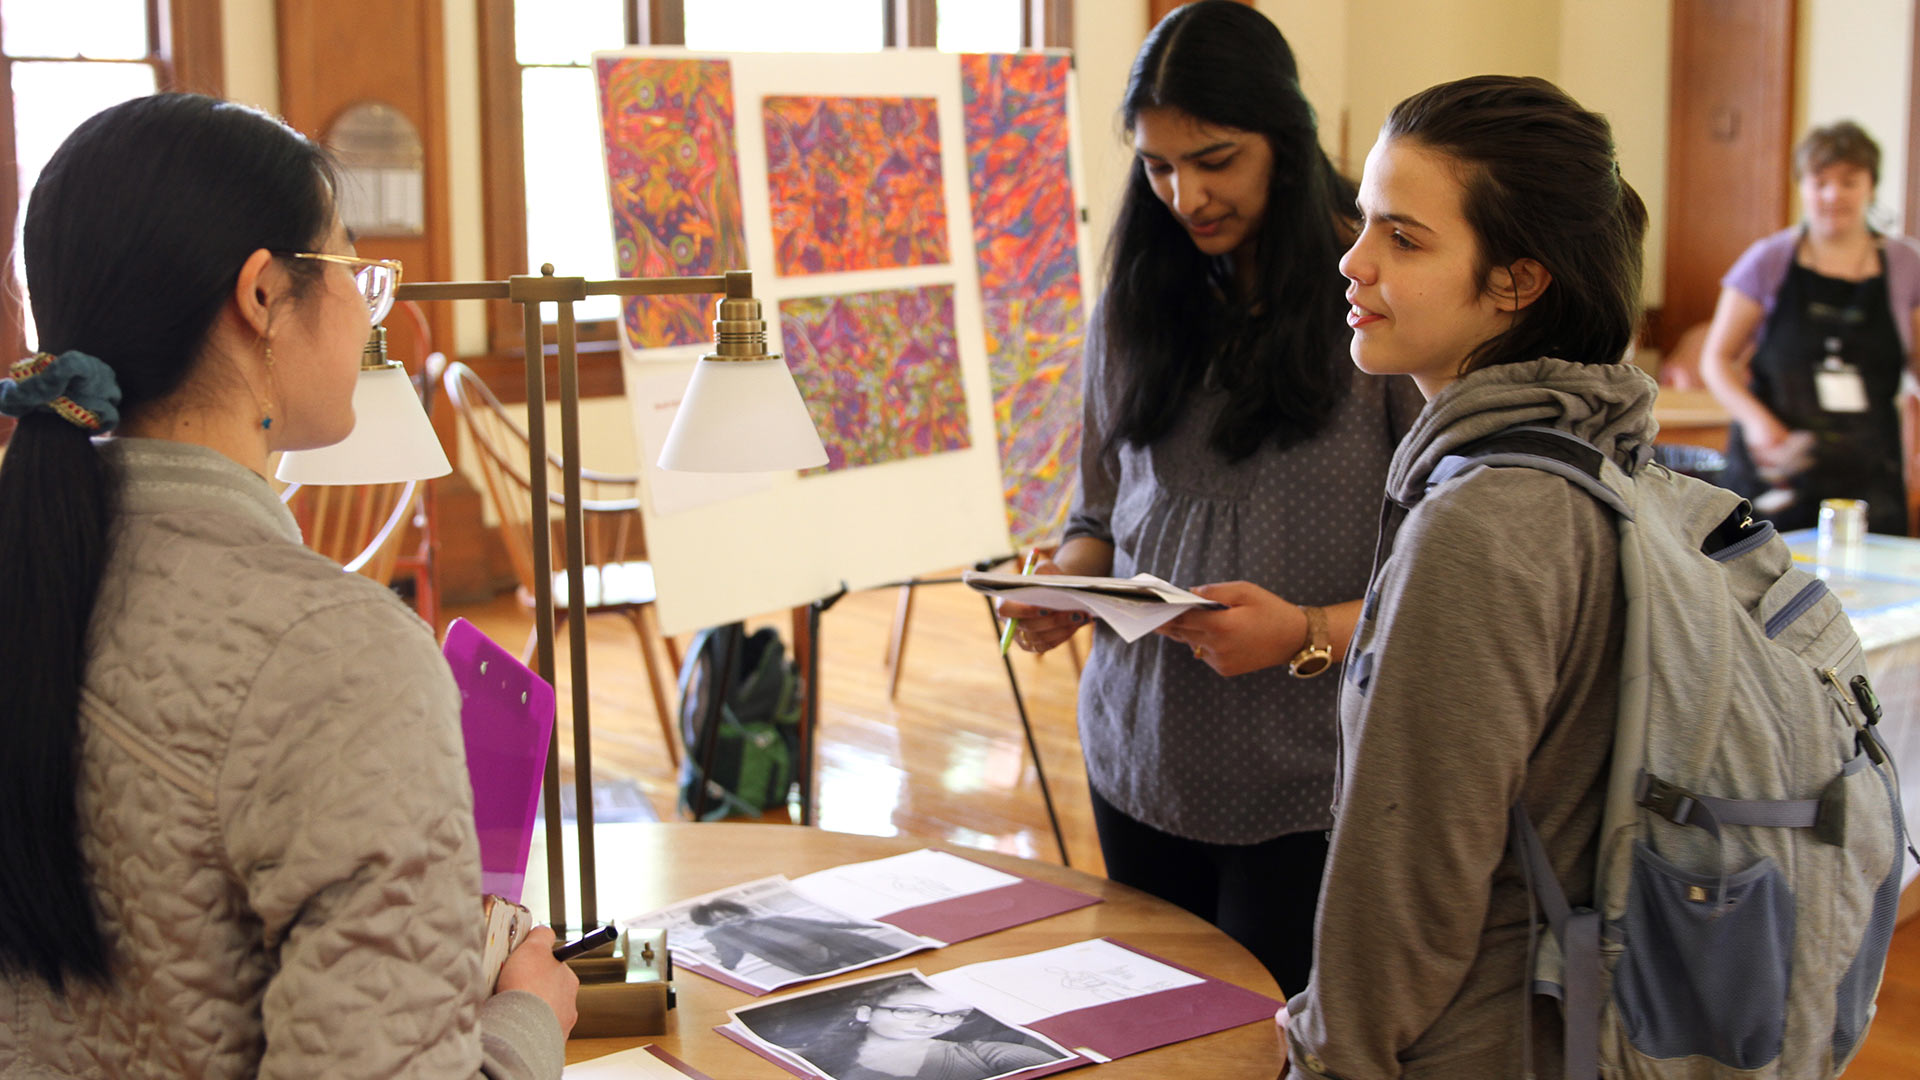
626	987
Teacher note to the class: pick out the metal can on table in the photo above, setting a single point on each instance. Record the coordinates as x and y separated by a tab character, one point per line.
1843	524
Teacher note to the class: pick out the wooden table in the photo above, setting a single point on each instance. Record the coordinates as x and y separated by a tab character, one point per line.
647	866
1692	418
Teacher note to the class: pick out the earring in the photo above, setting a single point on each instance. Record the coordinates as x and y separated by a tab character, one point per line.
266	418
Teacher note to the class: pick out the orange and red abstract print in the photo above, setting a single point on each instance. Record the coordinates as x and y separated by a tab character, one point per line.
1024	240
880	372
1023	227
1034	350
675	188
854	184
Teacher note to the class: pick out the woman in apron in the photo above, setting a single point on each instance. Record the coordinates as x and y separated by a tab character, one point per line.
1830	308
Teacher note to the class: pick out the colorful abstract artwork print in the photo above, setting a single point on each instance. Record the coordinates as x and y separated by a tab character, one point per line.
1028	254
880	372
674	186
1034	348
1023	209
854	184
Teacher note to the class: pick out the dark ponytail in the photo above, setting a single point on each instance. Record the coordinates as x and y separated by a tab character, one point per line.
1541	183
1168	310
134	238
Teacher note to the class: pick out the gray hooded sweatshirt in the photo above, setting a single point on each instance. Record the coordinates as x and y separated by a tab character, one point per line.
1484	671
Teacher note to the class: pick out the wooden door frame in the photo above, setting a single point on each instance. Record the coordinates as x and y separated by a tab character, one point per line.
1773	156
1911	218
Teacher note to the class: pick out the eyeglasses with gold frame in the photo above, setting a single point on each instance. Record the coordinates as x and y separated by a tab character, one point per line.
375	278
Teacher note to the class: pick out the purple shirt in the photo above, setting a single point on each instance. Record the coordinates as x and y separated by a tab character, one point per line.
1758	272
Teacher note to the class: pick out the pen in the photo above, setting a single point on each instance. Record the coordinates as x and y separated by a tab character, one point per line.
1006	635
587	943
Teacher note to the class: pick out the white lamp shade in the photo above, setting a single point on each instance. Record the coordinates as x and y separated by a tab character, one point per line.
742	416
391	440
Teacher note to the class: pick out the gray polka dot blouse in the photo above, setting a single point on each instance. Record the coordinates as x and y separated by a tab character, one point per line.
1167	741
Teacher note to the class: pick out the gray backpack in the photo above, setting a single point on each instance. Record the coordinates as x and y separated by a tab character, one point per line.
1751	849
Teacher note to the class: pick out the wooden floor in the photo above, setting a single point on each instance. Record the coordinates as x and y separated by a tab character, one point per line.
946	758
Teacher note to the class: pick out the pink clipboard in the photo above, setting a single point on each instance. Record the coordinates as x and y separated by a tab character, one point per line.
506	715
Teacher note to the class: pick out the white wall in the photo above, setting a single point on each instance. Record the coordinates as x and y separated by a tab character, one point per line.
1318	33
1853	60
1613	59
250	53
1106	34
1399	47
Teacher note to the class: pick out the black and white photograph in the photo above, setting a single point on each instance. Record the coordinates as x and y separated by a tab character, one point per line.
767	935
895	1027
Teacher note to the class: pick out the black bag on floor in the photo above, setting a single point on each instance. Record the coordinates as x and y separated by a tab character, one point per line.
756	742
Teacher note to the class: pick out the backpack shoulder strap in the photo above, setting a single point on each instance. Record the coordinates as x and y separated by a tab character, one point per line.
1548	449
1577	931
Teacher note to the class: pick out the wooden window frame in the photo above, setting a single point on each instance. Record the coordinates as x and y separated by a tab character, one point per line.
1043	23
184	50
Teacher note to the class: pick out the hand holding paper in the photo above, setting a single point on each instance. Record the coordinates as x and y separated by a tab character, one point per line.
1133	606
1039	629
1254	630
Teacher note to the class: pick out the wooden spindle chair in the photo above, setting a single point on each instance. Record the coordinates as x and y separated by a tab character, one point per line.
618	579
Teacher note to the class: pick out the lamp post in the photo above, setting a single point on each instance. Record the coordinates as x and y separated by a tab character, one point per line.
742	413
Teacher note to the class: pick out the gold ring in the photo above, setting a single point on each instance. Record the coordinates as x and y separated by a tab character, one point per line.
1199	652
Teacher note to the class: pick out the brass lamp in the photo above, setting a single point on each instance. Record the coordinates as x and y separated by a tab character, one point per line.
391	442
742	413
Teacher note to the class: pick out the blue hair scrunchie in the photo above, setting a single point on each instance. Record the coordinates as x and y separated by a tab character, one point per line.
74	386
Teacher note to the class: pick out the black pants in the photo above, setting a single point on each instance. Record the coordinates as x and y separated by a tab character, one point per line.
1263	895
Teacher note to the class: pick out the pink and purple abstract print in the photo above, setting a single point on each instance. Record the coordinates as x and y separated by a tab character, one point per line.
880	372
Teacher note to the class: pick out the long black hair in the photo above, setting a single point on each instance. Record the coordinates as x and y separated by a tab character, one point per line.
1169	310
1542	183
135	236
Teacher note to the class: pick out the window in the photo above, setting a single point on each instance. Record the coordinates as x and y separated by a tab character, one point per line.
786	25
61	61
979	26
566	193
545	187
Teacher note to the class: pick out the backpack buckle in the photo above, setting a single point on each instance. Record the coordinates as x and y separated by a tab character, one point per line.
1670	801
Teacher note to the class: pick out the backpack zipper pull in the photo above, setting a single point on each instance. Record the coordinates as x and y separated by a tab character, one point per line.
1832	676
1850	701
1869	701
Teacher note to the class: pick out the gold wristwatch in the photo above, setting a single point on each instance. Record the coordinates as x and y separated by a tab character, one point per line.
1317	655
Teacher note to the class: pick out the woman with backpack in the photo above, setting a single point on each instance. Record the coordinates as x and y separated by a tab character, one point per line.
1498	265
1228	440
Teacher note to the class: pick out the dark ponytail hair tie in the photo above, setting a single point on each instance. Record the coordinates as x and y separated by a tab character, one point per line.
78	388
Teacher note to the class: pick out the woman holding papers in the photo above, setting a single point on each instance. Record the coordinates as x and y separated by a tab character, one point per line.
1228	440
235	818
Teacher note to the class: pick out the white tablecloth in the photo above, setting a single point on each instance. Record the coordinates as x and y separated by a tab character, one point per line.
1879	585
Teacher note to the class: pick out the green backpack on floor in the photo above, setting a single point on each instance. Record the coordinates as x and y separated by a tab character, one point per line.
755	744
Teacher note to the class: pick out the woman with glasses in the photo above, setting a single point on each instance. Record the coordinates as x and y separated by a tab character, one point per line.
904	1028
234	814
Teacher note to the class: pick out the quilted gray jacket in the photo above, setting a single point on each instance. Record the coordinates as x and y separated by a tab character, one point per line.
276	815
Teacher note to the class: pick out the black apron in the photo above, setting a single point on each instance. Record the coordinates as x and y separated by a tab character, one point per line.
1856	454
